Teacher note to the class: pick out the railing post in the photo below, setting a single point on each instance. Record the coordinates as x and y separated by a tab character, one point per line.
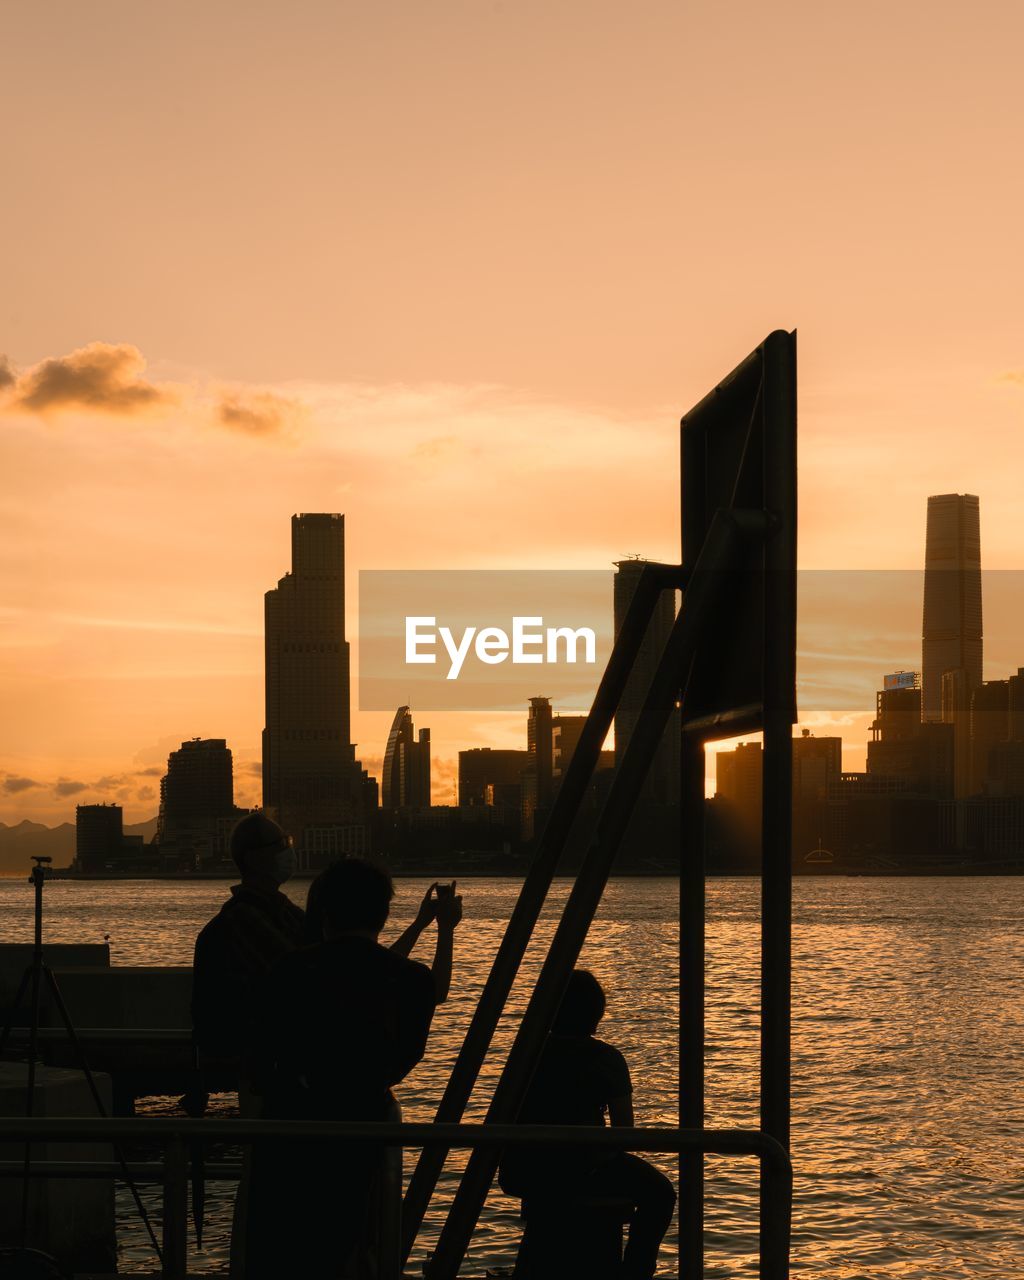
175	1211
691	1003
780	605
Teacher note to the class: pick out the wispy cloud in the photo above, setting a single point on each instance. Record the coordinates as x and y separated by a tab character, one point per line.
69	787
13	783
111	378
101	377
258	413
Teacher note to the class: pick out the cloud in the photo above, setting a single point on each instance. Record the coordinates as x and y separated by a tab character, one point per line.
67	787
12	784
252	767
111	782
145	793
154	771
7	374
101	377
257	413
1015	376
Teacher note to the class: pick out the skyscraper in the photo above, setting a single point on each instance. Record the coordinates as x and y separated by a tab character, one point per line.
99	836
952	624
406	780
310	775
537	775
662	784
197	803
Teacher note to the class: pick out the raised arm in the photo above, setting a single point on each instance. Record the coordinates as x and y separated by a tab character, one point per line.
405	941
449	917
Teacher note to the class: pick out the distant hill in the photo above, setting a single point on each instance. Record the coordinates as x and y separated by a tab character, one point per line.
18	844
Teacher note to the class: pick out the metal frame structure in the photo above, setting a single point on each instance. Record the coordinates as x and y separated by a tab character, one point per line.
730	663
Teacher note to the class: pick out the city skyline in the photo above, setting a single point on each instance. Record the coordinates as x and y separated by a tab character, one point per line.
485	313
503	730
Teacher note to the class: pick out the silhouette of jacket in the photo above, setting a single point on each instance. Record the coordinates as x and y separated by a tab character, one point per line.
234	953
343	1022
576	1078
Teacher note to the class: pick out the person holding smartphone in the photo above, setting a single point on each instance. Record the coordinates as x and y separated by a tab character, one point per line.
440	904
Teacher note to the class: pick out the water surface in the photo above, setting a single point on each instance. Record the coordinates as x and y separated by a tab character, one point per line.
908	1051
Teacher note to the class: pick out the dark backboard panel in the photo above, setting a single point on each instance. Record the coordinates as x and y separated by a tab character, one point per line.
738	452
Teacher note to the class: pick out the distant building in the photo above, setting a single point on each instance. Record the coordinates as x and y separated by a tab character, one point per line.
1006	770
99	836
662	783
489	776
817	764
990	726
919	755
311	778
565	738
406	778
897	709
197	803
538	782
994	831
1015	707
738	785
952	621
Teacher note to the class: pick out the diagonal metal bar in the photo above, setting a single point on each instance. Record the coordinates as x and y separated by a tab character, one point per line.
719	554
526	913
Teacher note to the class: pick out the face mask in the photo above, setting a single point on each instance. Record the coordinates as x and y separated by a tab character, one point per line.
282	867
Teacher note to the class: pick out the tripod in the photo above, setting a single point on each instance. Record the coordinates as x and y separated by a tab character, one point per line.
36	973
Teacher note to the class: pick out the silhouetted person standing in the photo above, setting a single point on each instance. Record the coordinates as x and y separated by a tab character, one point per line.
234	953
345	1020
251	932
578	1080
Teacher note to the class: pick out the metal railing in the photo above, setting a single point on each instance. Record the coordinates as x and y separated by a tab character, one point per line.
178	1138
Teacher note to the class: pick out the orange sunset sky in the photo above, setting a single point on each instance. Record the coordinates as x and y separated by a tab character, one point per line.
455	270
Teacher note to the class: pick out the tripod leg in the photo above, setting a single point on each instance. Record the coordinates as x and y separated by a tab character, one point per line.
5	1035
97	1098
30	1093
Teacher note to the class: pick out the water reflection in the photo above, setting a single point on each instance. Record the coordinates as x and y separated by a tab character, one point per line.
908	1053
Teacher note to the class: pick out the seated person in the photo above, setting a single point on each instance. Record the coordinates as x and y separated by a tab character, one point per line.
343	1022
578	1080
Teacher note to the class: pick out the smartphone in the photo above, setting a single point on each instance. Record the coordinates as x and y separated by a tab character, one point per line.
446	890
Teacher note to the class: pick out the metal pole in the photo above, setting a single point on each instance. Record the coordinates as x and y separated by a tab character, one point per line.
33	1041
777	763
718	555
691	1002
175	1211
534	891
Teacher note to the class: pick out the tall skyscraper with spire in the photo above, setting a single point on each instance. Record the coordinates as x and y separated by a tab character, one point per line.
311	778
952	625
406	779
